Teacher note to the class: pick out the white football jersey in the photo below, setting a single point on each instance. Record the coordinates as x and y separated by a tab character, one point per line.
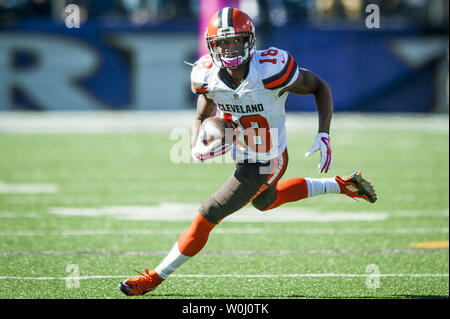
254	106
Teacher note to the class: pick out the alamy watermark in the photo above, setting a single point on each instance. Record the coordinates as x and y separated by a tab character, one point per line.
73	279
72	16
373	19
373	277
262	143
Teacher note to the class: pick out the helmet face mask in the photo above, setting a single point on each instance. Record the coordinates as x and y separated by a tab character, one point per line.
230	24
231	58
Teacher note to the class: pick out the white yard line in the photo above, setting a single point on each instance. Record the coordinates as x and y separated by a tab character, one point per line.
27	188
141	121
244	231
187	211
236	252
19	215
233	276
166	211
147	213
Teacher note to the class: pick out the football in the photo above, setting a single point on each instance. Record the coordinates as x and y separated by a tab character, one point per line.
215	129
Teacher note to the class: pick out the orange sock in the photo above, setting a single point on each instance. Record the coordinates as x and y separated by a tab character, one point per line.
290	190
193	239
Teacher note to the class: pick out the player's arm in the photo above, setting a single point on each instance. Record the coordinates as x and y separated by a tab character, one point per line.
310	83
205	108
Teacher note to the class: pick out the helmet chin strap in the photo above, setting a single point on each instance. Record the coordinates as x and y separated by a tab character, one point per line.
234	62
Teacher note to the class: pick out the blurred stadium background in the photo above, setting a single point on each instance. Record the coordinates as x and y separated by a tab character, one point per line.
128	54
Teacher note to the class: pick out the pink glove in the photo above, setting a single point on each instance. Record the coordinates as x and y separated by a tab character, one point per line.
202	151
322	143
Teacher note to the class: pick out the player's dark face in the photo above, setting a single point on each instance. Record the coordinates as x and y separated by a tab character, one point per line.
230	46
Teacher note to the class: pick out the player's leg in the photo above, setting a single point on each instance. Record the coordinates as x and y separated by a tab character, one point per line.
235	193
190	242
239	189
294	189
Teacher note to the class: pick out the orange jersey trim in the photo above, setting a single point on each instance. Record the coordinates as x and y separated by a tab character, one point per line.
282	78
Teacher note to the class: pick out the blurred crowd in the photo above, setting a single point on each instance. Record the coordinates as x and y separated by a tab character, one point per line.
409	13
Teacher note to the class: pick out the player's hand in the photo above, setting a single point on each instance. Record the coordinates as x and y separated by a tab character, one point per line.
203	151
322	143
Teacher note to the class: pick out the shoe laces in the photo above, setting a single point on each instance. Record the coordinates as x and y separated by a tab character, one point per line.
140	284
147	273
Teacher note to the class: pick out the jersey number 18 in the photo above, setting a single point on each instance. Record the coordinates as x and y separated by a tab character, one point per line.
256	133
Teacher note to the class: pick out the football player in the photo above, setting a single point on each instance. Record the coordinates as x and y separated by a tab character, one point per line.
249	87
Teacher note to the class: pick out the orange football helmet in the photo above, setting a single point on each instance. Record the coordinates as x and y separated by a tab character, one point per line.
229	23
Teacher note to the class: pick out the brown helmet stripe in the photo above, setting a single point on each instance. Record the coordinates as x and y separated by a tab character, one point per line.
219	19
230	17
226	17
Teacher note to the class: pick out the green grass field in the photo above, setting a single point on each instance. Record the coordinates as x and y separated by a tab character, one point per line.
73	219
